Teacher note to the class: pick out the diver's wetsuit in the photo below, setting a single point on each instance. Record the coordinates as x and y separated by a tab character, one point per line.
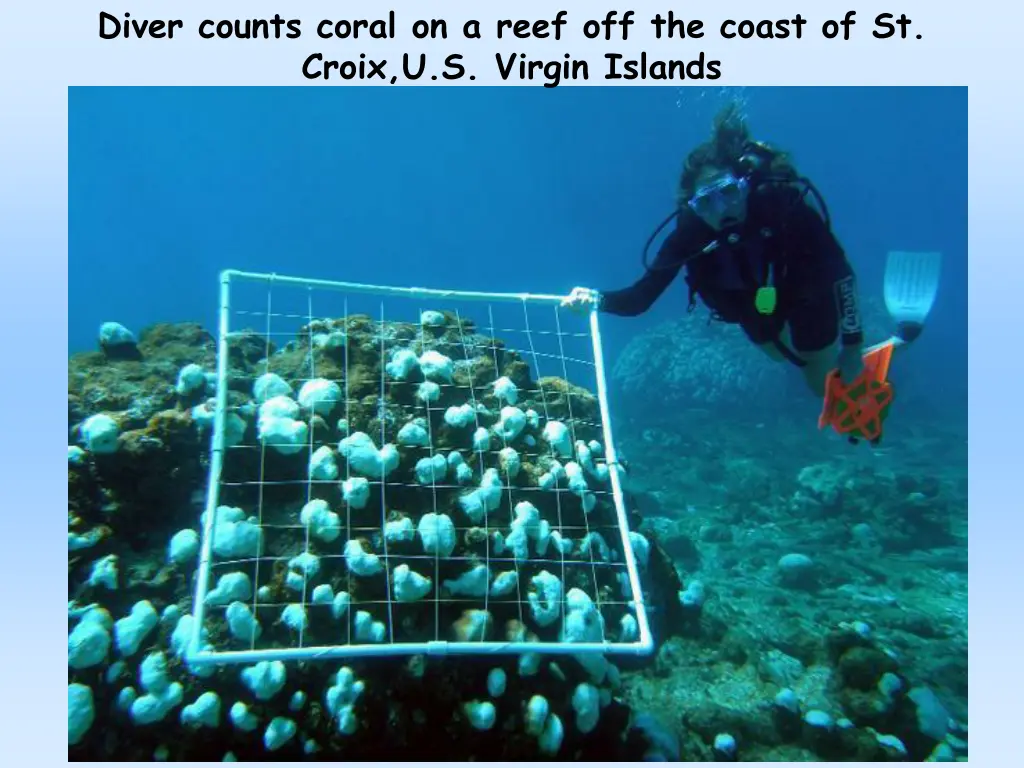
816	286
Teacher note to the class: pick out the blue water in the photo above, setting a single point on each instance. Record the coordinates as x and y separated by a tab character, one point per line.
476	188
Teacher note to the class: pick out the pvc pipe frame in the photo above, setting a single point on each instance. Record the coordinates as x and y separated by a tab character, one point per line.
897	344
642	647
389	290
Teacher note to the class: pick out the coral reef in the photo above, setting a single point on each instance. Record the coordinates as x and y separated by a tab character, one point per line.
409	482
381	483
696	362
838	585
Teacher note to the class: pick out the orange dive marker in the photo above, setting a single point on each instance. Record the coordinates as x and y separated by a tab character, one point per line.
859	409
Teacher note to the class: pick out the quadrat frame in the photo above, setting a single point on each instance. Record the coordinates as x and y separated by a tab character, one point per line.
197	652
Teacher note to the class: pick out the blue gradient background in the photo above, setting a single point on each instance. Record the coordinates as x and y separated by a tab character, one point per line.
33	244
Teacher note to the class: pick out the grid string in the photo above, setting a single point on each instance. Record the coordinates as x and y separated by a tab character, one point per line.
504	442
575	442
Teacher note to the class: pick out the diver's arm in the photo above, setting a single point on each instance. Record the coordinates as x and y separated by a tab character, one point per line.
850	359
843	282
837	275
839	278
847	297
641	295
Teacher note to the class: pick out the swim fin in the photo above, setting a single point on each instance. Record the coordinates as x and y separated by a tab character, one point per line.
911	284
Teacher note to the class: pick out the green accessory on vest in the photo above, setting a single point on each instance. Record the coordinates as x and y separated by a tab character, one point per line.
765	300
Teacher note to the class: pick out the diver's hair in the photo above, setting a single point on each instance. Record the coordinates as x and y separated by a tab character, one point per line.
729	142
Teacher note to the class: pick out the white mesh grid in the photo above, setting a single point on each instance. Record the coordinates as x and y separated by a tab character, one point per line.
315	330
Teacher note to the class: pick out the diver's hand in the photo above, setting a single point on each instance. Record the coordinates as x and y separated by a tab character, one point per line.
851	363
582	299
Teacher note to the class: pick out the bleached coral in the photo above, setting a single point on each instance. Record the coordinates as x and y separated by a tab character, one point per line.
365	458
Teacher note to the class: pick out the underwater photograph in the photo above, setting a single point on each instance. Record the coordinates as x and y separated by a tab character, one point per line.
489	424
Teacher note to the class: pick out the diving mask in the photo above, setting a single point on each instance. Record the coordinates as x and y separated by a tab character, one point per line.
722	200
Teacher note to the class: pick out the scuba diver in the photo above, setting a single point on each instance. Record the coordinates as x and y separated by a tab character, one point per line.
757	254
